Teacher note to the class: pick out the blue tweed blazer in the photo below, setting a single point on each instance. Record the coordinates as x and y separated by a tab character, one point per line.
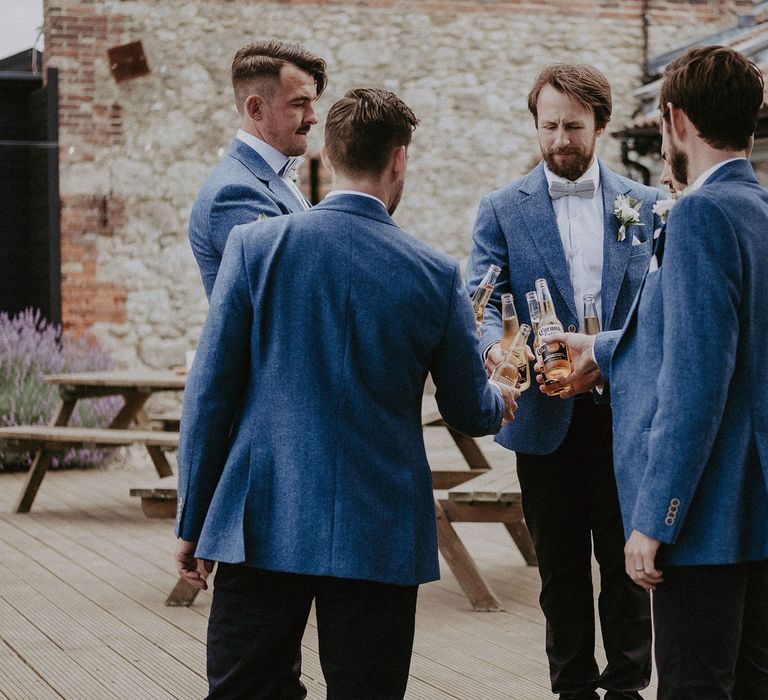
301	441
688	376
516	229
241	188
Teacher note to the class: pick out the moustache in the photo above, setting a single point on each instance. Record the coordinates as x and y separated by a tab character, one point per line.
564	152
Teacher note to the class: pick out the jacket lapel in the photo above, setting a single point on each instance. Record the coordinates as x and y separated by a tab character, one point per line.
260	168
616	253
538	216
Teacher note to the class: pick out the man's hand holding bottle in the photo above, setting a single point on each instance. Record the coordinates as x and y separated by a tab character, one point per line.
585	374
510	395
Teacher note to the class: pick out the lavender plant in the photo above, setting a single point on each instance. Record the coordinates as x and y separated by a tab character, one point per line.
29	348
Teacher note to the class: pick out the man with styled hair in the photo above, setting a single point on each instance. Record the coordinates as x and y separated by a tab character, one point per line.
276	84
558	222
322	329
688	378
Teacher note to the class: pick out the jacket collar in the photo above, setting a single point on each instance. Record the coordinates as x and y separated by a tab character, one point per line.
734	169
357	204
243	153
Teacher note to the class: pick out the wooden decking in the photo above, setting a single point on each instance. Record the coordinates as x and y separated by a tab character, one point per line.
83	579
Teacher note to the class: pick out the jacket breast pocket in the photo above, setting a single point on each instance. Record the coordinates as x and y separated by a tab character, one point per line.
643	248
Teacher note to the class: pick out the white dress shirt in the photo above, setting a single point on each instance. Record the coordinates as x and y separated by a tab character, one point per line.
580	223
275	160
701	179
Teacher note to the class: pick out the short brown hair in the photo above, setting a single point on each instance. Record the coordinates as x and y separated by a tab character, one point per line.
364	126
583	82
261	63
720	91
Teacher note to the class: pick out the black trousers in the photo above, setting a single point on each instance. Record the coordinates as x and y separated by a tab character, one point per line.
712	632
570	502
365	634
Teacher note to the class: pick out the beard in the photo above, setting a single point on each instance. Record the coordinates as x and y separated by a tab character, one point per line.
574	167
678	161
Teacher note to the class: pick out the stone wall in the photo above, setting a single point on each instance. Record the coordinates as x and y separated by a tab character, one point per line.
134	153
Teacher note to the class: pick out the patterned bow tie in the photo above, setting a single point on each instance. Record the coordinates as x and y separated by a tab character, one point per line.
290	168
585	188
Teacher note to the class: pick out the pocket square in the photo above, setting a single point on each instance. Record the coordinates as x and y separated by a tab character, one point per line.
635	240
654	264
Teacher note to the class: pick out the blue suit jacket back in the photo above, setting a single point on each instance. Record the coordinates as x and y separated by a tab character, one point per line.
321	331
516	229
240	189
689	376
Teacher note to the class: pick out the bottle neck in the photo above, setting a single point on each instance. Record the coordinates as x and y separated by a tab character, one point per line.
546	310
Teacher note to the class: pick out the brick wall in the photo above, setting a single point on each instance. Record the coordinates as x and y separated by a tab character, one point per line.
77	36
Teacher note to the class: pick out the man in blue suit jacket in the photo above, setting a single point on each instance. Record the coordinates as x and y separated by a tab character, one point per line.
275	84
544	225
688	379
322	328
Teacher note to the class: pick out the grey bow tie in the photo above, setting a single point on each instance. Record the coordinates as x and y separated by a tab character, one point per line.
585	188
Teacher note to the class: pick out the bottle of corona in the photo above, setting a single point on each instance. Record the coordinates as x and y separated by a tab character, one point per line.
483	293
591	321
554	356
533	310
510	326
513	369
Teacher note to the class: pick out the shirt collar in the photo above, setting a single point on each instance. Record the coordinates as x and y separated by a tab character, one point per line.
336	193
591	173
274	158
701	179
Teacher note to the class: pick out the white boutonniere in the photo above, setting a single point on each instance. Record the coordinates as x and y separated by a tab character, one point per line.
627	210
662	208
261	217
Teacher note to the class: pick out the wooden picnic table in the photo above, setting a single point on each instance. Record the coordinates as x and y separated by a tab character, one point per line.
134	386
476	494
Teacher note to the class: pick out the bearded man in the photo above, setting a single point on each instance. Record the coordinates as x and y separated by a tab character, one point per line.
558	222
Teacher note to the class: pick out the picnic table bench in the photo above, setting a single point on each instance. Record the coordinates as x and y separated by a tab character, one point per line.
135	387
475	494
56	437
492	497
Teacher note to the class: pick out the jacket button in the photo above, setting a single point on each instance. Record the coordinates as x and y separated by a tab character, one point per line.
670	521
571	328
675	502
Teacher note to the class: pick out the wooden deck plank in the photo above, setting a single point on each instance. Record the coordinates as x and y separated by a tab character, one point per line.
96	579
51	662
46	598
19	680
118	567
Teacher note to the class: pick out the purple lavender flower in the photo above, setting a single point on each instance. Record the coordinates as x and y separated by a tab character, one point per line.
29	348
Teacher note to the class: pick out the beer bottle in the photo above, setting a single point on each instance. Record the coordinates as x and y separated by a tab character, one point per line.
533	310
483	293
513	369
509	323
554	356
591	321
